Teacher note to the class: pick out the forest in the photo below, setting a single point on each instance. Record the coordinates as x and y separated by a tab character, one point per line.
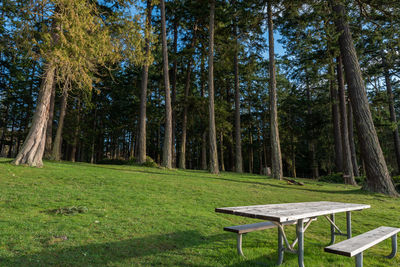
202	85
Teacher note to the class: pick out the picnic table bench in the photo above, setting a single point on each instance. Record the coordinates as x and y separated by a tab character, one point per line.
356	245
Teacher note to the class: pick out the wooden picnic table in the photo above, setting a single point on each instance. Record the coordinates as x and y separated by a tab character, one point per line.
280	213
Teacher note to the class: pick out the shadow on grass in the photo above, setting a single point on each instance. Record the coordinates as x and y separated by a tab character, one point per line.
354	191
104	254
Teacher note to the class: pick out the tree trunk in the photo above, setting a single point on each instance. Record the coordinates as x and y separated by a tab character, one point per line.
10	146
143	94
76	132
378	178
348	174
173	82
212	132
336	119
167	146
351	141
221	141
392	112
56	152
204	135
32	150
275	143
238	134
311	144
251	153
182	156
49	131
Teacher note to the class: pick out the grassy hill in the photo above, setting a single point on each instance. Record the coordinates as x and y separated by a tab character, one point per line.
76	214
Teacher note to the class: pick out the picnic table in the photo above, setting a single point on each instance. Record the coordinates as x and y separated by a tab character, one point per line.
302	211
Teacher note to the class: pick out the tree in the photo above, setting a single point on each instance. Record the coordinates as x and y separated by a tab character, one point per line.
143	94
347	164
378	179
212	131
167	147
276	156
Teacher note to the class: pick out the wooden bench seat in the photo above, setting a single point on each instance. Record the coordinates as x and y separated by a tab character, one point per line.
356	245
247	228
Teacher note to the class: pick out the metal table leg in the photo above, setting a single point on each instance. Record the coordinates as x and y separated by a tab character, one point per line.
348	220
332	229
280	246
300	236
394	247
359	260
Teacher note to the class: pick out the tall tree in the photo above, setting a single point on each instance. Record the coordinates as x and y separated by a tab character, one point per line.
238	133
212	131
49	130
392	112
143	94
378	178
182	155
276	156
348	174
167	146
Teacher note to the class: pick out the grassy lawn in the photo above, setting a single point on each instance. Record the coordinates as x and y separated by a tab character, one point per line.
137	216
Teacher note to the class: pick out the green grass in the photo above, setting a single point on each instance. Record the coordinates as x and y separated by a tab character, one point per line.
139	216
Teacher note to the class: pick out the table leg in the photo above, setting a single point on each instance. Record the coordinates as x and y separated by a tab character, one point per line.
359	260
348	220
332	229
280	246
300	236
394	247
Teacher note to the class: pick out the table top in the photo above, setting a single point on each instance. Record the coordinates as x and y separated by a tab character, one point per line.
292	211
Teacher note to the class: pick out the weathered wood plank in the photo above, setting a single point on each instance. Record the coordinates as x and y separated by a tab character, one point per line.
357	244
291	211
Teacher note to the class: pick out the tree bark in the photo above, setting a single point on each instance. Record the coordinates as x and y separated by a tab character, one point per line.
351	140
32	150
182	156
49	131
337	137
378	178
173	82
76	132
276	155
212	132
238	134
56	152
204	135
348	174
143	94
392	112
167	146
221	142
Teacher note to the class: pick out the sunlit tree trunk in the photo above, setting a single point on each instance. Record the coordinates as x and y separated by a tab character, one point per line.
167	146
143	94
32	150
49	131
351	140
276	156
378	178
212	132
347	165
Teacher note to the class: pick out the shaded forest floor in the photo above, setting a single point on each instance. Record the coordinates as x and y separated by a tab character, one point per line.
137	216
